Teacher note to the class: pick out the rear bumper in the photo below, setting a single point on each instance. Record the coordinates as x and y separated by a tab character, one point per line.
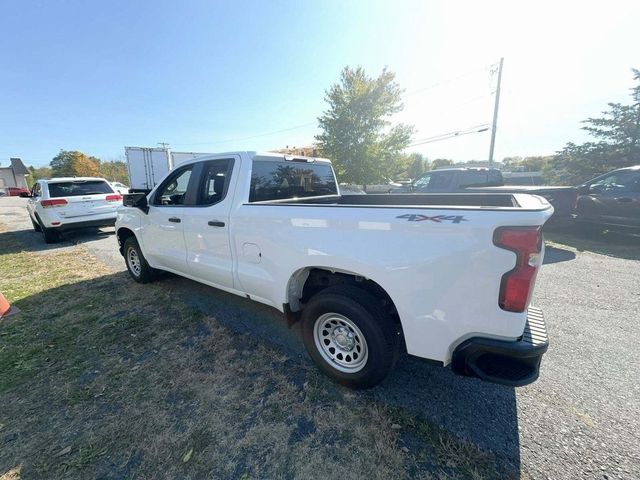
513	363
105	222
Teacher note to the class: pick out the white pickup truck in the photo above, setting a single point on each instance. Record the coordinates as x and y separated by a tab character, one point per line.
447	277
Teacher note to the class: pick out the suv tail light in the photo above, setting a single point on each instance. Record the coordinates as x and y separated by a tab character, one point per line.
56	202
113	198
517	284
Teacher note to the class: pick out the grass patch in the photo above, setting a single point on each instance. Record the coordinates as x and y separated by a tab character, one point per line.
104	378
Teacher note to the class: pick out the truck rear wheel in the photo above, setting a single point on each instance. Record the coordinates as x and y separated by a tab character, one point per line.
137	265
349	337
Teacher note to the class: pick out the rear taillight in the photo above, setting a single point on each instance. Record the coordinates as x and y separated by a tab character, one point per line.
56	202
517	284
114	198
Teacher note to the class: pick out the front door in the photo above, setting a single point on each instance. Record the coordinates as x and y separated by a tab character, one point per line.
206	226
164	244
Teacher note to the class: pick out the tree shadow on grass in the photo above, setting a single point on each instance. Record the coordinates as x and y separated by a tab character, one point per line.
29	240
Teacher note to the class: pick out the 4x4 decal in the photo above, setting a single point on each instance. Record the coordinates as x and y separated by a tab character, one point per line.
437	218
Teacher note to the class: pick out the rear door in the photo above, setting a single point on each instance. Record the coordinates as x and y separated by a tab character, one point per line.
206	225
164	228
85	198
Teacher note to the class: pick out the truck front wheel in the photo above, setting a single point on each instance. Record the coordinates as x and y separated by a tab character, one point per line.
137	265
349	337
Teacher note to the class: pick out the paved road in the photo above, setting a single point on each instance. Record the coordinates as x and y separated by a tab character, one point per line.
579	420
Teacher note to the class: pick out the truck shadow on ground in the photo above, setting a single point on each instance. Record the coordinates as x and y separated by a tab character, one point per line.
610	243
555	254
483	414
32	241
479	412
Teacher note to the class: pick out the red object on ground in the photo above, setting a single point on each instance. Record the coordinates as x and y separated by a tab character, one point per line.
16	191
5	308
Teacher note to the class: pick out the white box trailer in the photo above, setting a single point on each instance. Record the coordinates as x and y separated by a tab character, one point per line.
147	166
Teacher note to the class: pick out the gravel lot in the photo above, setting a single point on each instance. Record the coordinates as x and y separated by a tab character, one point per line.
579	420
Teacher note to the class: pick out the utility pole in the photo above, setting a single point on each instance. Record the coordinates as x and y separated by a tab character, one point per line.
163	144
495	114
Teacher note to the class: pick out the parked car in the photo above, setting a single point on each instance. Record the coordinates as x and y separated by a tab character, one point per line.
16	191
121	188
610	200
484	180
62	204
367	275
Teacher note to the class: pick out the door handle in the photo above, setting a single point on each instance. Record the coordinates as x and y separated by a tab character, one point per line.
215	223
174	220
624	200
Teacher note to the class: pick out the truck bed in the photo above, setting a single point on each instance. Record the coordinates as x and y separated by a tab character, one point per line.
427	200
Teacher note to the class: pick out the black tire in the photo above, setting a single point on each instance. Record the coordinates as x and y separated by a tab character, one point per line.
36	225
142	272
381	334
50	235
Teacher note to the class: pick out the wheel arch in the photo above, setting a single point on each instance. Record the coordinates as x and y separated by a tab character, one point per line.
123	233
306	282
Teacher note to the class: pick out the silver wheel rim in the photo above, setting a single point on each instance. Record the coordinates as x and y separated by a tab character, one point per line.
340	342
134	261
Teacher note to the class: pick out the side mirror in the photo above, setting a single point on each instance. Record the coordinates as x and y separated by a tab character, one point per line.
136	200
598	188
25	194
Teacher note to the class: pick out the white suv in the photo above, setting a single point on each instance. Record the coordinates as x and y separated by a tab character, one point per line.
62	204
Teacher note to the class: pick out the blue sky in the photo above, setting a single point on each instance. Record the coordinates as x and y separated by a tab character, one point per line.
219	76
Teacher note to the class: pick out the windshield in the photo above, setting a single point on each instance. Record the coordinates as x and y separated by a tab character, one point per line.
78	188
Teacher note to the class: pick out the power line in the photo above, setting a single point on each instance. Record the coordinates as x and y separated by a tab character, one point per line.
458	133
296	127
448	80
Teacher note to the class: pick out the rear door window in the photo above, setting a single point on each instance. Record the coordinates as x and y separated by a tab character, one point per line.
78	188
474	178
440	180
215	181
277	180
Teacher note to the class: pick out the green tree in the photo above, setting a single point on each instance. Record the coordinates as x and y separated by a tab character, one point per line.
441	162
73	163
356	132
618	145
417	166
36	174
114	171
